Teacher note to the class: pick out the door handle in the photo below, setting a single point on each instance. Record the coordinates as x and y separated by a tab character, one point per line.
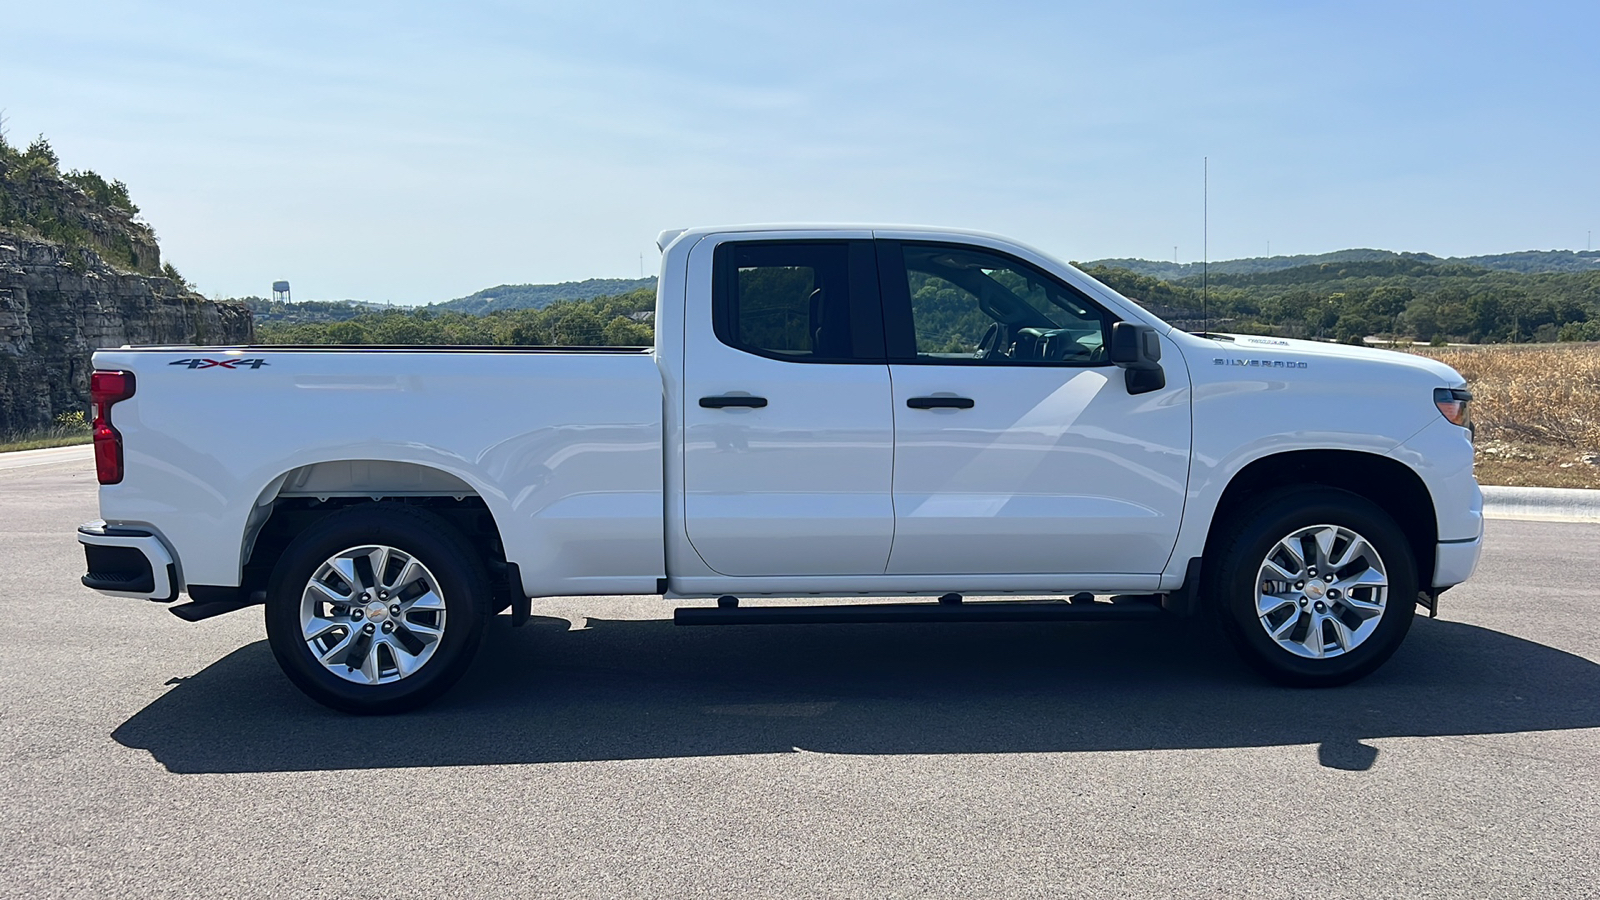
725	402
940	403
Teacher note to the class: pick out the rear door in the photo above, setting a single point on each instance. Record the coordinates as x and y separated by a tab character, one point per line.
788	432
1018	449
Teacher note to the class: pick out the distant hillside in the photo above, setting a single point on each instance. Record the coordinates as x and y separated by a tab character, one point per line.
1531	261
293	313
624	320
1404	296
1526	261
1322	273
489	300
538	296
1173	271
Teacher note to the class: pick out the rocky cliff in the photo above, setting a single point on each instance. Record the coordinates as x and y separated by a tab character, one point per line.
77	273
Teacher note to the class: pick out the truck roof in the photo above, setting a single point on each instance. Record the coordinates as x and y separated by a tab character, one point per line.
668	236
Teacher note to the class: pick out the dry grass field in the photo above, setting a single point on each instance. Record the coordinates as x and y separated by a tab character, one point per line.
1537	407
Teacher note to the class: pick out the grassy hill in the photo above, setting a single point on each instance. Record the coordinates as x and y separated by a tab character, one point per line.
538	296
500	298
285	312
1348	295
1345	296
621	320
1402	297
1525	261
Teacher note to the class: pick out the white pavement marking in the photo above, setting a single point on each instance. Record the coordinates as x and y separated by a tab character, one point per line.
20	458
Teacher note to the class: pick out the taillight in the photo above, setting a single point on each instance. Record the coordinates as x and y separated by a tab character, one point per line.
1454	404
106	389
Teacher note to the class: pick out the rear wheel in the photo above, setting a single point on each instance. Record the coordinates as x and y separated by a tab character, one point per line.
376	609
1316	587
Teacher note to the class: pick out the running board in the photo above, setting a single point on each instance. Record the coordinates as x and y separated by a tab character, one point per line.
200	610
1130	609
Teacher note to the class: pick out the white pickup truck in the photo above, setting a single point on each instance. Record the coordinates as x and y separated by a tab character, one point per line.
897	413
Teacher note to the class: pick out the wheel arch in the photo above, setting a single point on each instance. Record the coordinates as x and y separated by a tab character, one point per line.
1389	484
293	500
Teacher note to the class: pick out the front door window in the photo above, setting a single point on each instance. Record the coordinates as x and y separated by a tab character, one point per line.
973	307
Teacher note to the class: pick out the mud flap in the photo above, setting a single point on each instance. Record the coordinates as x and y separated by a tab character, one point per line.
521	603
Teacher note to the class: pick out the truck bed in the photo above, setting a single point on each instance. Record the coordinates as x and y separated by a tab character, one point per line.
562	445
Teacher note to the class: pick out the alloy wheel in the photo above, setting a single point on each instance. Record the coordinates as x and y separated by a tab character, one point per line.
372	614
1321	591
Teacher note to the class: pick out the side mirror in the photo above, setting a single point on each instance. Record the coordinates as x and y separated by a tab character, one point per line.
1137	349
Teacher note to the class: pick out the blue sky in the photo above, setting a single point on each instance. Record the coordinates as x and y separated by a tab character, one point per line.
418	152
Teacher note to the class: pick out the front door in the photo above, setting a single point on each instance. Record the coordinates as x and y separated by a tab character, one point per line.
788	431
1018	449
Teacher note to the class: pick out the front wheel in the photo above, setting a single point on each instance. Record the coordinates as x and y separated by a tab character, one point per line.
1316	587
376	609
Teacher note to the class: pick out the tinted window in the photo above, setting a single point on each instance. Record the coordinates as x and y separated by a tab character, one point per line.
972	306
809	302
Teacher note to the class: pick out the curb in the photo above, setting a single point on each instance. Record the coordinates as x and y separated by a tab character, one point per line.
18	459
1533	504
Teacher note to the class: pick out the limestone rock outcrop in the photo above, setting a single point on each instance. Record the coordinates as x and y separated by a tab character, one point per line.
59	304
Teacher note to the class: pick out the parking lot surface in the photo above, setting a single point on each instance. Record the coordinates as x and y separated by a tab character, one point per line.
602	752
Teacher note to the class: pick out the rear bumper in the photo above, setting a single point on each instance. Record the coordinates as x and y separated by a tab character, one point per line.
127	562
1454	561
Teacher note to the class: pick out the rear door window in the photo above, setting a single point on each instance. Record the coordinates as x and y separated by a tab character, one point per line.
802	301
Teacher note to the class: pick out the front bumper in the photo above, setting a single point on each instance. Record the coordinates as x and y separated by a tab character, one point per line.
127	562
1454	561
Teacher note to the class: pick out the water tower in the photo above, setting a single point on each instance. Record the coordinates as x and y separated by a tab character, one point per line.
280	291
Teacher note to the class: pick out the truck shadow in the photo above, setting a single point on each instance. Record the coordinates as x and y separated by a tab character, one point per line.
647	689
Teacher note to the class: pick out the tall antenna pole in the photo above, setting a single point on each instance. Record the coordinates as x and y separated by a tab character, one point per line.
1205	244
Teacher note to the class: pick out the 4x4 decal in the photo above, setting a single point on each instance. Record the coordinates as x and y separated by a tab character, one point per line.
219	363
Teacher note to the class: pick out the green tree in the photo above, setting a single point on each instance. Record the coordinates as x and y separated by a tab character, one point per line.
579	326
624	332
1388	302
41	156
351	332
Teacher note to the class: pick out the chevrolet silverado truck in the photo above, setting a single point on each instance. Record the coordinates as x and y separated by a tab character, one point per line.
922	421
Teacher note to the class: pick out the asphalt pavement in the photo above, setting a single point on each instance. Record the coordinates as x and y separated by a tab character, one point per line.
602	752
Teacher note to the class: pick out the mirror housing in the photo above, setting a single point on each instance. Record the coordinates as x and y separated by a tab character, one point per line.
1137	349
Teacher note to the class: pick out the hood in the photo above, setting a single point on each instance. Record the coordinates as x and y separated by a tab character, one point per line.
1248	343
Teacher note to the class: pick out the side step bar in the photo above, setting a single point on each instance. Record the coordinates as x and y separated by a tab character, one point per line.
1124	610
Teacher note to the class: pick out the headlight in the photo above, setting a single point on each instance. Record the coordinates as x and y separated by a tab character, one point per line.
1454	404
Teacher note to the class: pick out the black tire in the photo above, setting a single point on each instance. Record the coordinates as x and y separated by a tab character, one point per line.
1230	584
423	536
